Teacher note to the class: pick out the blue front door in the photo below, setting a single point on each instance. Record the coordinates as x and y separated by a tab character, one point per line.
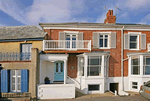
59	71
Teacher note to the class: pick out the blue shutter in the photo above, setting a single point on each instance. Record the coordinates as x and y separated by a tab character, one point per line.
24	80
4	81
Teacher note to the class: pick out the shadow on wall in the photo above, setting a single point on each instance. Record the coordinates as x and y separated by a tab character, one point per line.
112	65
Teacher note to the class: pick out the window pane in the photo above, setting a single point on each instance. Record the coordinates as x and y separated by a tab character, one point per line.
88	72
147	61
82	71
133	45
135	70
106	36
135	61
147	70
13	79
100	42
19	80
94	71
101	36
13	87
93	87
133	38
19	72
19	86
134	83
12	72
61	67
134	87
94	60
106	42
56	67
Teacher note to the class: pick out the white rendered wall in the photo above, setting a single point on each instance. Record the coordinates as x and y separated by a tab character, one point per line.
56	91
47	69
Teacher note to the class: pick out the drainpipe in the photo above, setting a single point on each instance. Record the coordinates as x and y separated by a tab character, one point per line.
122	48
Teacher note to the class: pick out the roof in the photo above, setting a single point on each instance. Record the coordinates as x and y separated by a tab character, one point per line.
92	25
21	32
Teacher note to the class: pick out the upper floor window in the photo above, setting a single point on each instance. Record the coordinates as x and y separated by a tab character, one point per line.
134	41
26	51
103	41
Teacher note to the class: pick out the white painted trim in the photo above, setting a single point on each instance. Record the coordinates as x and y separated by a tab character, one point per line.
148	47
141	65
71	32
85	65
135	33
137	29
65	71
82	28
138	41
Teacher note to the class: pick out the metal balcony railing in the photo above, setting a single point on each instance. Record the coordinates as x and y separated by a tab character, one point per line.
15	56
66	45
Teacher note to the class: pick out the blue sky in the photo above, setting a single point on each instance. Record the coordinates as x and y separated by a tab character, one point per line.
31	12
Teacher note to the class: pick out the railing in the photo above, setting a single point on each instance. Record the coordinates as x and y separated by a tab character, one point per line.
15	56
66	45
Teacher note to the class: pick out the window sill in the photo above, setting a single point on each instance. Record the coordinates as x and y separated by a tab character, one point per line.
104	48
134	49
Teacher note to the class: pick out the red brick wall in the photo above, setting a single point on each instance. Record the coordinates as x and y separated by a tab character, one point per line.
115	54
125	51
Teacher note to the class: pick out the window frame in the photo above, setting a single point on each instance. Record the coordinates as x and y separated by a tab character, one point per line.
138	57
91	66
16	76
144	65
134	85
108	40
138	39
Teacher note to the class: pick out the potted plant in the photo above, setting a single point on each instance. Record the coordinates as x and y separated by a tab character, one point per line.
47	80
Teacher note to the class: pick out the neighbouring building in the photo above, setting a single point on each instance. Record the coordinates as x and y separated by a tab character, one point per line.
84	57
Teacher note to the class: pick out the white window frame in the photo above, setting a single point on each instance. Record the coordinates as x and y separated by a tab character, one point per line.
94	91
135	65
108	41
138	39
16	76
90	66
148	47
144	65
134	85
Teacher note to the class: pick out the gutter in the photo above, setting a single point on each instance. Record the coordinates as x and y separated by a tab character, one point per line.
122	47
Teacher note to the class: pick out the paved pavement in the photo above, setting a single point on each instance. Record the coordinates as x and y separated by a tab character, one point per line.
106	98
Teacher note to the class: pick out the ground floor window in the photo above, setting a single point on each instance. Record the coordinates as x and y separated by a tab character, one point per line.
146	65
93	87
134	85
135	66
15	80
94	66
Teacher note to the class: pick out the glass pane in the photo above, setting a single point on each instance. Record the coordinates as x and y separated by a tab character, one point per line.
147	70
61	67
133	38
106	36
19	72
94	71
144	58
93	87
13	79
56	67
94	60
82	71
133	45
147	61
13	87
73	44
19	86
134	87
134	83
12	72
19	79
135	61
100	42
88	72
105	44
135	70
101	36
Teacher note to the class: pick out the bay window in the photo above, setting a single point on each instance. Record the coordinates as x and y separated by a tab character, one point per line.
94	66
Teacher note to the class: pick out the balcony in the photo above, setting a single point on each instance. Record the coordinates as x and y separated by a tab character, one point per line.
66	45
15	56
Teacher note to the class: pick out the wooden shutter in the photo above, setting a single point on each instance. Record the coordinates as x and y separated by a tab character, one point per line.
95	40
80	42
143	41
4	81
126	41
113	40
24	80
61	37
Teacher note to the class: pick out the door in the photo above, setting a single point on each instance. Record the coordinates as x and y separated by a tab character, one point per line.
113	87
59	71
26	51
71	41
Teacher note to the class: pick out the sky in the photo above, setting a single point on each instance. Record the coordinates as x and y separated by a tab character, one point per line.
33	12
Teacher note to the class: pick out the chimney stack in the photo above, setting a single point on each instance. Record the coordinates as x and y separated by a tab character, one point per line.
110	18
